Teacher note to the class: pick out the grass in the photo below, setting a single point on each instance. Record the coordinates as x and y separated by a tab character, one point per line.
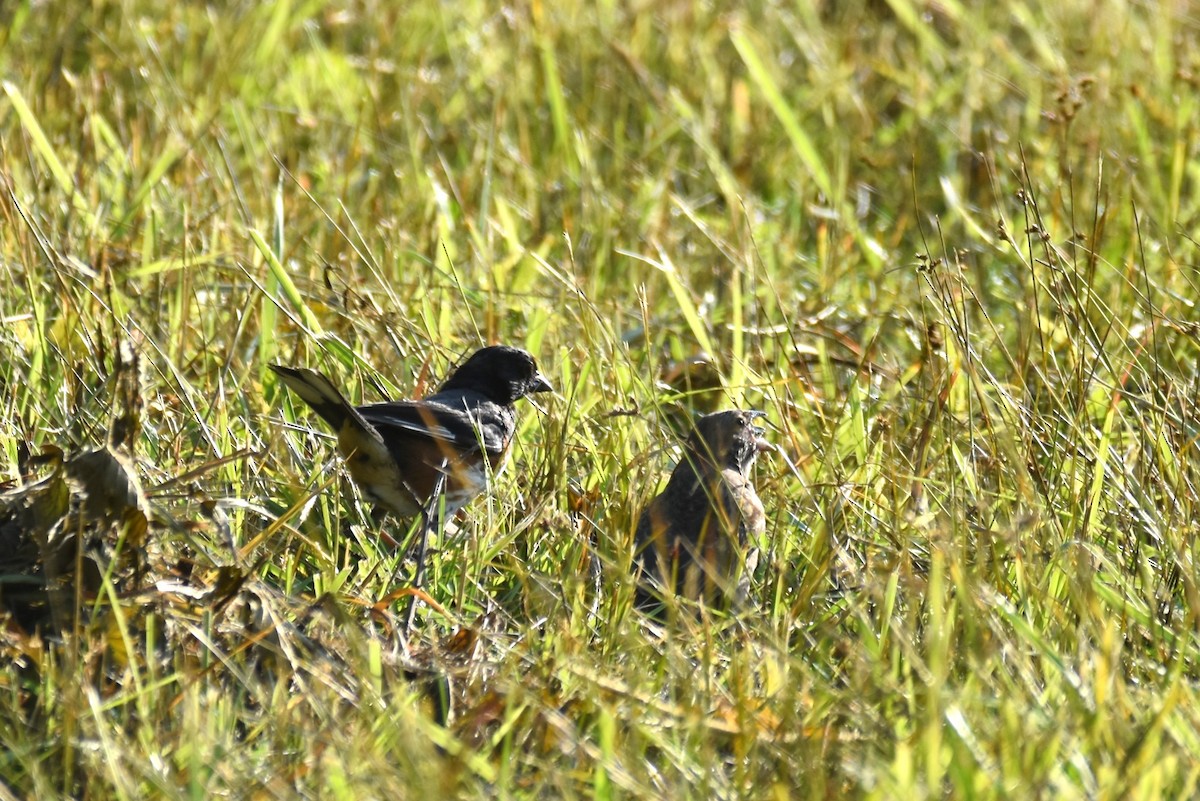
949	250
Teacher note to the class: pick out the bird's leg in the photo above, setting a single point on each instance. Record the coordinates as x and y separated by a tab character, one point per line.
431	518
378	515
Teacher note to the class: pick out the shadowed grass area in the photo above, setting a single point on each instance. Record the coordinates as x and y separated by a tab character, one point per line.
950	250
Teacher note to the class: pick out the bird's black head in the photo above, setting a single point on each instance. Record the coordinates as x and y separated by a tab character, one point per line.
728	439
505	374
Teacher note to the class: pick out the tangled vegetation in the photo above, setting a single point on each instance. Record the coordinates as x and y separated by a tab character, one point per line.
948	249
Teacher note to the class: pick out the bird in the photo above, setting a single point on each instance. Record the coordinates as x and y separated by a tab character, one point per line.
410	455
691	540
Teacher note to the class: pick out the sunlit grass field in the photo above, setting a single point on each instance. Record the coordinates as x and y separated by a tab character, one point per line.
949	249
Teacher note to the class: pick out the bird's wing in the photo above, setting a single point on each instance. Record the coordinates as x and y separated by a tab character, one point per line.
464	426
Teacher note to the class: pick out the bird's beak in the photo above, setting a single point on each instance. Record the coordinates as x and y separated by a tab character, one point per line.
760	443
540	383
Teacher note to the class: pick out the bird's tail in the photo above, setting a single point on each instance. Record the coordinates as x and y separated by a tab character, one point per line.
318	392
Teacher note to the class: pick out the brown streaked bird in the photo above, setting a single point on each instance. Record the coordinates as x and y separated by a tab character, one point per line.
400	453
692	539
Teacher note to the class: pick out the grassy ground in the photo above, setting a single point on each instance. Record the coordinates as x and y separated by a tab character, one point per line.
950	250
